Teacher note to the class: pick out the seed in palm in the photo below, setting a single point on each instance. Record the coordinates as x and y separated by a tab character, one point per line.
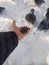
24	30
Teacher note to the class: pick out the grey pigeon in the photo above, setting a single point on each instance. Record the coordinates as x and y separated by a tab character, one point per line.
30	17
44	25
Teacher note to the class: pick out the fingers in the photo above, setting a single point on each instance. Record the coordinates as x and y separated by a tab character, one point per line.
13	23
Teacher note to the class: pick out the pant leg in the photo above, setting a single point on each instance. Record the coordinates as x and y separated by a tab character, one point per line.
8	42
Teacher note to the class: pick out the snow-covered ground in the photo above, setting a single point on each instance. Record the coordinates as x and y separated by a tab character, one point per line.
33	49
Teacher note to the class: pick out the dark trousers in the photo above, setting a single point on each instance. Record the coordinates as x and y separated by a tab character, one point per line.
8	42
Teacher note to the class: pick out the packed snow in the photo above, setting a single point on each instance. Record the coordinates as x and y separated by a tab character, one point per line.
34	48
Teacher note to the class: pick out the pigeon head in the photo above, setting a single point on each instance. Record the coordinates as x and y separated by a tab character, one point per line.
32	11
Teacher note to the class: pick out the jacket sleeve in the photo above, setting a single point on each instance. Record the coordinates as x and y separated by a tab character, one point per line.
8	42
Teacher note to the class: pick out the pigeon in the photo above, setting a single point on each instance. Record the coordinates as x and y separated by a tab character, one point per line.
47	14
44	25
24	30
39	2
30	17
1	9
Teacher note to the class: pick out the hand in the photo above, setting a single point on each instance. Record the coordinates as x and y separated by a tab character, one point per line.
17	31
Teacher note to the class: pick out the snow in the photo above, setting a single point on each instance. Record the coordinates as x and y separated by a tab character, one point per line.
33	49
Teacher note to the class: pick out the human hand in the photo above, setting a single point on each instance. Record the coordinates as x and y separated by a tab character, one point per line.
17	30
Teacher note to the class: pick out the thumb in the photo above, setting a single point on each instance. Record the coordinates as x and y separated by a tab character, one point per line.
14	24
